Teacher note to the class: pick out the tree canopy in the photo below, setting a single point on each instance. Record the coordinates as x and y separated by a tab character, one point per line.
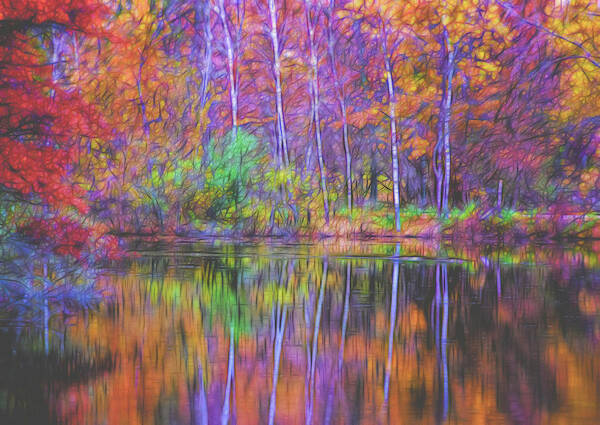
171	115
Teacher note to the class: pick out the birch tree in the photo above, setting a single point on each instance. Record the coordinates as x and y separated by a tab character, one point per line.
312	13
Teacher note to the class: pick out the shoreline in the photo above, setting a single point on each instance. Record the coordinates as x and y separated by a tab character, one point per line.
544	229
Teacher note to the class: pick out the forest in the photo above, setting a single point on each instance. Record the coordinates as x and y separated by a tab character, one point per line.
299	211
297	117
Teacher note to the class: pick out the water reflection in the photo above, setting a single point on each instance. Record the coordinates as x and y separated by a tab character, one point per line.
252	335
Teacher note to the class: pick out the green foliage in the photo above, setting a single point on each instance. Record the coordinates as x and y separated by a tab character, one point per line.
169	189
457	215
353	215
233	166
386	221
413	211
510	216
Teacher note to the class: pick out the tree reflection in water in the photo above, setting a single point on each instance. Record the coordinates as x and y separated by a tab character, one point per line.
294	334
38	362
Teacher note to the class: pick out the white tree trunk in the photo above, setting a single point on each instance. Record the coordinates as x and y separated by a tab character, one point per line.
233	92
393	134
437	160
203	9
499	199
339	91
447	112
278	90
314	89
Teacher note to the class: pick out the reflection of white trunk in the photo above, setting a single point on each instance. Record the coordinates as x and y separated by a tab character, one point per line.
315	344
201	404
333	381
393	311
438	303
46	311
498	282
345	318
445	340
315	339
441	302
230	372
445	303
438	300
307	321
280	329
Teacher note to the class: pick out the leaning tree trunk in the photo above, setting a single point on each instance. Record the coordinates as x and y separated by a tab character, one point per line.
279	325
449	74
315	345
314	89
225	411
203	12
437	162
393	136
230	70
279	102
278	90
339	91
393	318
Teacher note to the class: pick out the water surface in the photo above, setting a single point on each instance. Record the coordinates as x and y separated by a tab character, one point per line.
356	333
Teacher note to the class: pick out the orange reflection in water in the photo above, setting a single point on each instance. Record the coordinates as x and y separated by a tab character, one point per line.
362	340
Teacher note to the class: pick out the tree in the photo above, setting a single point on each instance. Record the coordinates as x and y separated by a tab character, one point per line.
40	118
277	48
462	32
312	13
381	21
232	22
340	95
572	29
233	168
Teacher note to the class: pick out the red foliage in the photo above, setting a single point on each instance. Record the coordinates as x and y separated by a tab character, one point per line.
64	236
79	15
60	235
42	120
39	120
107	247
30	169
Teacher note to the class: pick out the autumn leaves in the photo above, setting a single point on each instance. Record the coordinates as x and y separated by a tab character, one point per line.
333	103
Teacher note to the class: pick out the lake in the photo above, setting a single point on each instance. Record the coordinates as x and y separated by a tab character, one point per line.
361	332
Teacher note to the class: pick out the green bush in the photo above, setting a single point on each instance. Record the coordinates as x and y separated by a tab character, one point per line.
233	165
